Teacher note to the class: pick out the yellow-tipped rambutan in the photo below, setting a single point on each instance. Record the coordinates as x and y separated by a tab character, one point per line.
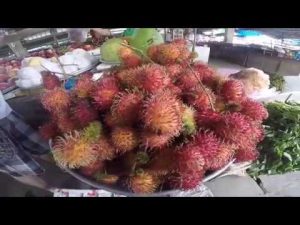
200	99
73	151
104	178
56	100
162	113
224	155
124	139
126	107
143	183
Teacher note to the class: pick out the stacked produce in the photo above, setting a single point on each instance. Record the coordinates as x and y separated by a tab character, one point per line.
162	123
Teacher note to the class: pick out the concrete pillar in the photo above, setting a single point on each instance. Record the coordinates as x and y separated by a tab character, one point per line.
229	34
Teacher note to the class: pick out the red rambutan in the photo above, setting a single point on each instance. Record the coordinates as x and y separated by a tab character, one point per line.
162	113
207	118
225	154
151	140
65	123
246	154
237	129
153	51
126	107
233	91
128	77
56	100
153	78
84	85
200	99
124	139
174	89
111	121
167	54
255	110
185	181
205	72
50	81
48	130
174	70
187	80
104	93
84	113
207	144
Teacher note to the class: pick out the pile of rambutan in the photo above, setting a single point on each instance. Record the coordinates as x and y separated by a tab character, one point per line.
156	122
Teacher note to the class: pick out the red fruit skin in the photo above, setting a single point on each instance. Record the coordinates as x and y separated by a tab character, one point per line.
104	93
84	113
89	171
200	99
207	118
185	181
56	100
153	78
174	89
126	107
187	80
233	91
48	131
174	70
204	71
152	140
207	144
255	110
65	123
131	61
246	154
225	154
237	129
84	85
50	81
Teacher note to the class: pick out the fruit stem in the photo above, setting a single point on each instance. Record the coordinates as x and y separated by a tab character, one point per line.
203	88
139	51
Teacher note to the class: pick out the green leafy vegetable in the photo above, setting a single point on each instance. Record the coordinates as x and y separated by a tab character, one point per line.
277	81
280	150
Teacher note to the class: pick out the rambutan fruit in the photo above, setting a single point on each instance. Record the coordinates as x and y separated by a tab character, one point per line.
65	123
104	93
84	113
124	139
174	89
150	140
188	119
225	154
56	100
162	113
153	51
163	163
93	131
91	169
104	178
185	181
128	77
220	105
246	154
233	91
205	72
174	70
207	118
167	54
48	130
190	160
50	81
187	80
143	183
84	85
208	144
126	107
129	58
255	110
201	99
73	151
104	148
153	78
237	129
111	120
